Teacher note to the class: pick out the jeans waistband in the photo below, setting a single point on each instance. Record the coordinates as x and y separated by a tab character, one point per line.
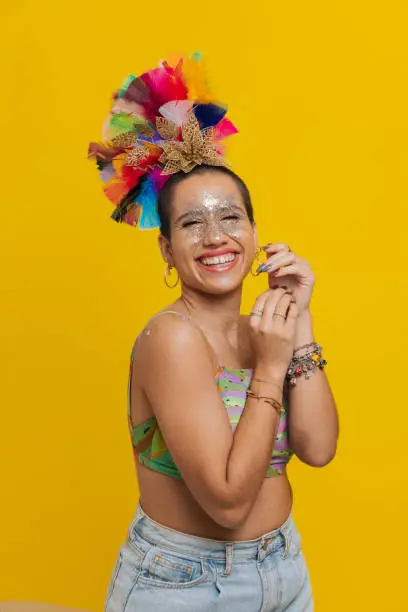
196	546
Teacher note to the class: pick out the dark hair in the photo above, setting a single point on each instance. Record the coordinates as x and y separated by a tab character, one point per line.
165	195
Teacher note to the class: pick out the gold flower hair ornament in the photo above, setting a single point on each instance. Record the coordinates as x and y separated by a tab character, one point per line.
196	148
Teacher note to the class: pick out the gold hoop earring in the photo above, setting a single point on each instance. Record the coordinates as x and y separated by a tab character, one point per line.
166	273
258	260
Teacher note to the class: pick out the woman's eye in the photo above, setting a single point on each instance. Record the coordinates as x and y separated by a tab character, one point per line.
234	217
190	223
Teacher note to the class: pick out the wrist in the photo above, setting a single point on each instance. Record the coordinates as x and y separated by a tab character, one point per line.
272	374
304	329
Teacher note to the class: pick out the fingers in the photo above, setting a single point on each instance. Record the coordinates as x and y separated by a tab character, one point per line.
258	309
286	270
266	304
272	264
260	302
278	259
275	248
276	309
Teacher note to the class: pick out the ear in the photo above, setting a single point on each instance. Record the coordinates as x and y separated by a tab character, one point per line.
165	249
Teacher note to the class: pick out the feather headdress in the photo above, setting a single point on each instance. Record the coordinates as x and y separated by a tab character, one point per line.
162	122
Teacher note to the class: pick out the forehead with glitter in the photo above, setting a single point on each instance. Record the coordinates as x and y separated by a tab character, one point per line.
210	201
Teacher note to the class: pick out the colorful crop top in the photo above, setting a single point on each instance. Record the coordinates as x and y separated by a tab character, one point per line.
149	446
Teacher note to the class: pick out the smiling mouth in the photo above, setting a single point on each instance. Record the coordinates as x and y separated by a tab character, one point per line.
219	263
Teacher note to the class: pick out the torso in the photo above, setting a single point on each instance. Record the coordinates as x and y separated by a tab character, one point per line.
168	500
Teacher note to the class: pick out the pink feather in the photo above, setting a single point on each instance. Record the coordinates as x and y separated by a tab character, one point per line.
165	84
224	129
158	178
176	110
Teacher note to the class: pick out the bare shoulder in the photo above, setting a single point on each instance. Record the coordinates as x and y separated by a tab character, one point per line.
168	340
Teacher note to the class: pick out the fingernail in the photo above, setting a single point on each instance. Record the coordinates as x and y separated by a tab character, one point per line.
266	246
262	268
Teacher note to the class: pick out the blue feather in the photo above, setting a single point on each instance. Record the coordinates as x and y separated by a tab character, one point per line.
209	115
147	199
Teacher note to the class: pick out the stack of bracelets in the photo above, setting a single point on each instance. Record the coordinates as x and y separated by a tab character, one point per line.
305	362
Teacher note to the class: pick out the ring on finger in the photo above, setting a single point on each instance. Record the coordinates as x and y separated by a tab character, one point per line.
278	314
258	314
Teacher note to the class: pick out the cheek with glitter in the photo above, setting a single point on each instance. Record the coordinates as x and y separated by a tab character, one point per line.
229	227
197	232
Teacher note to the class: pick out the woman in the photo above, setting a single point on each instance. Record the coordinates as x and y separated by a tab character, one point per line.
214	413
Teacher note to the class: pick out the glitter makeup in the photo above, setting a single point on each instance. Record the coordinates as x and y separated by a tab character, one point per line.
215	217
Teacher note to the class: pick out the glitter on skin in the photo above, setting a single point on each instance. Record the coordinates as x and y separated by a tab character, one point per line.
215	216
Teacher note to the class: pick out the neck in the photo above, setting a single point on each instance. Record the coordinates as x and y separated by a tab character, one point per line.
218	313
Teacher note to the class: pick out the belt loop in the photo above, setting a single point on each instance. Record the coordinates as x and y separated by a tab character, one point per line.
286	536
228	559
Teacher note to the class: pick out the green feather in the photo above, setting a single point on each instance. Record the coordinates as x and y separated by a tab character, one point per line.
125	85
121	122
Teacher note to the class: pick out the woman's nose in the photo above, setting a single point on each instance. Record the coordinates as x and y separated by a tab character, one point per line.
214	234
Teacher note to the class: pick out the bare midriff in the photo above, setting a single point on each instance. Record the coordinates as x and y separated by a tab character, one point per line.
169	502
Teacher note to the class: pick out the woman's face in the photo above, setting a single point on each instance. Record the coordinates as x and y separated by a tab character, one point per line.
212	240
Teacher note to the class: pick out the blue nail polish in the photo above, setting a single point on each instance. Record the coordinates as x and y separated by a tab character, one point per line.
262	268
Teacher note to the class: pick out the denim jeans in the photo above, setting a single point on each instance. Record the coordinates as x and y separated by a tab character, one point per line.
162	569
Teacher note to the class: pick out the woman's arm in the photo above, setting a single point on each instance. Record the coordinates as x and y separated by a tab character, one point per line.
312	414
224	472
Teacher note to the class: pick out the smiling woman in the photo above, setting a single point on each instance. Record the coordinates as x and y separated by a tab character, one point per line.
208	204
212	417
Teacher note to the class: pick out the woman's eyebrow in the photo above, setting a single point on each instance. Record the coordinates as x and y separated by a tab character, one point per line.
230	207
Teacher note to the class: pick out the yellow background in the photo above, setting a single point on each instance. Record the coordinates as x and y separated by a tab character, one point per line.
319	92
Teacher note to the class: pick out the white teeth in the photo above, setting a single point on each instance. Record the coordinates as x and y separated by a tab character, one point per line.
221	259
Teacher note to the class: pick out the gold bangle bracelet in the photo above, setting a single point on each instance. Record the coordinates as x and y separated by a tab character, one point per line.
277	406
269	382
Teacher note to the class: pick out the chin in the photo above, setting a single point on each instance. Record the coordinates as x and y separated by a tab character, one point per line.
222	285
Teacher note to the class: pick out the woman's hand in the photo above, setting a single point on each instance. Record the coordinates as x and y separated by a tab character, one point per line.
272	328
284	268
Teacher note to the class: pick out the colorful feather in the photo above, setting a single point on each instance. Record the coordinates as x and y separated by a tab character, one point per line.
115	190
209	114
165	84
176	110
125	85
147	199
107	173
194	78
224	128
121	122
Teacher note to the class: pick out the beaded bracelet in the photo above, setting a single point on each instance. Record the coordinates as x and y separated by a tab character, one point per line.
298	351
307	364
